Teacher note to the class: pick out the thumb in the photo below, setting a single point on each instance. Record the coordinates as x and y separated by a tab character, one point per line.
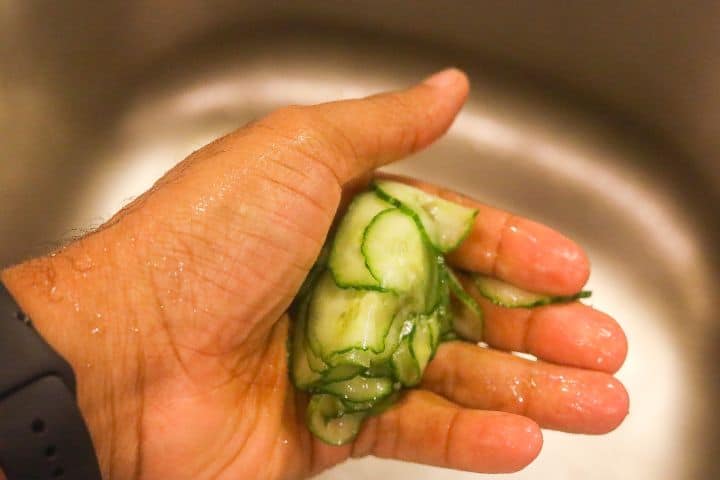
230	233
352	137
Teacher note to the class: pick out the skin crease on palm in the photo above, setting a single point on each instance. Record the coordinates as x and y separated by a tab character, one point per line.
173	314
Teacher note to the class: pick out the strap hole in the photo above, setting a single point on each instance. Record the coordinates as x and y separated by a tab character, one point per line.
38	426
58	472
50	452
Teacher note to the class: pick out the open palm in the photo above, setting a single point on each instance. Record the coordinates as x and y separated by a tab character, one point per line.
173	314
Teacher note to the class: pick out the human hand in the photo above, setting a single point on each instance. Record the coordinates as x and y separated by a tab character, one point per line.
174	313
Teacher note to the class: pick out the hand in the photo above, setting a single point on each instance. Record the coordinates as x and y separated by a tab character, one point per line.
173	314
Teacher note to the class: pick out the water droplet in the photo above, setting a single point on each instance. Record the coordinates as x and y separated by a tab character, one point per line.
96	330
76	306
83	263
604	333
55	295
98	315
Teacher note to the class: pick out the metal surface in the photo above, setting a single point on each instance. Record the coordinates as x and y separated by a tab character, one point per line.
98	100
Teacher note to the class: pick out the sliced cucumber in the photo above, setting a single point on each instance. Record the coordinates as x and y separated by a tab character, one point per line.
422	344
373	407
445	223
405	366
398	257
360	388
328	420
369	358
340	320
466	323
302	375
346	261
383	369
506	295
384	404
459	292
341	372
316	363
468	317
375	306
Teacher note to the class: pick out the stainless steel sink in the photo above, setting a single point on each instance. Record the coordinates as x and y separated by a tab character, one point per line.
601	120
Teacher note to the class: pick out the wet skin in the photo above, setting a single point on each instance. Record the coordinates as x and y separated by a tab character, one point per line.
173	314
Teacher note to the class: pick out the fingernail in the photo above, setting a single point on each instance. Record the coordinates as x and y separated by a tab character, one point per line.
443	78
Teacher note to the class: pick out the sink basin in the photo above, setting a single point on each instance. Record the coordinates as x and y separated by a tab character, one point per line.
98	100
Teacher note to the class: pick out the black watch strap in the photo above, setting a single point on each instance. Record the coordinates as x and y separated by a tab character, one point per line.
42	432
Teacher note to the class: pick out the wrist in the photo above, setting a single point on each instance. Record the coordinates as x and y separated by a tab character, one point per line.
66	294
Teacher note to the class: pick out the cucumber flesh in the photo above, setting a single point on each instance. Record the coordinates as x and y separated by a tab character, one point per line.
468	317
341	320
397	256
360	389
329	420
341	372
346	261
302	375
463	296
316	363
374	308
422	344
370	359
404	364
445	223
466	323
506	295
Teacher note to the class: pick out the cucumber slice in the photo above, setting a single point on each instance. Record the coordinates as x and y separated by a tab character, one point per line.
463	296
302	375
466	323
445	223
316	363
383	369
328	420
375	306
341	372
384	404
422	344
370	358
358	406
360	389
405	366
340	320
346	260
397	256
468	317
506	295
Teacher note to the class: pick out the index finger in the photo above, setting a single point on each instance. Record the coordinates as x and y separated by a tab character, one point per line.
514	249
